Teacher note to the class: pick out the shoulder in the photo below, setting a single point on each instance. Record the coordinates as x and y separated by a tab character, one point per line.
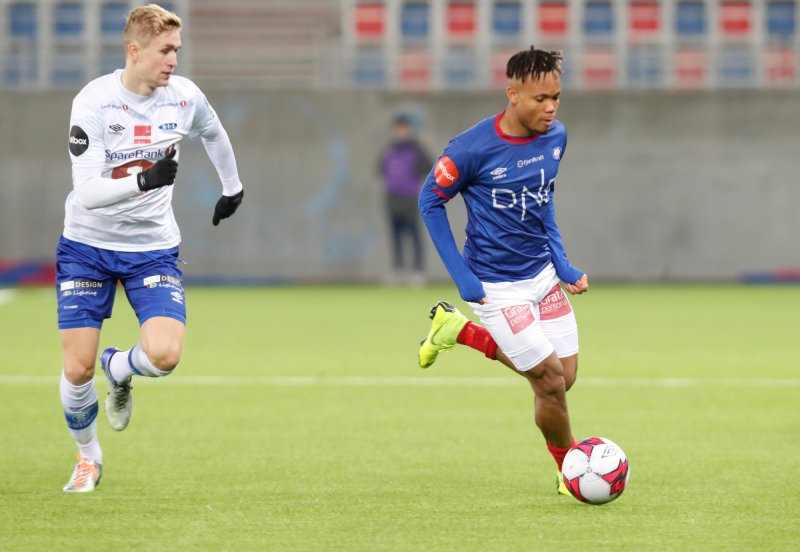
475	138
558	129
94	89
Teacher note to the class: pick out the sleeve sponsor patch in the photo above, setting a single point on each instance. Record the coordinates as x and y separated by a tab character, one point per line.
446	172
78	141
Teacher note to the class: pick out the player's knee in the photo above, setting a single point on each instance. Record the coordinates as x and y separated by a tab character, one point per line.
165	356
79	370
548	379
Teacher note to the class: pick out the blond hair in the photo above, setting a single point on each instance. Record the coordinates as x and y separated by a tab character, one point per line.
147	22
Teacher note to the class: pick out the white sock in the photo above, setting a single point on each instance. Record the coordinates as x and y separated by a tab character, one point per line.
80	410
134	361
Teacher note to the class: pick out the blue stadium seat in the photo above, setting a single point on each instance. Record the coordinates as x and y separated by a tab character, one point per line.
598	19
68	20
690	19
507	19
414	20
112	18
22	20
736	68
781	19
645	67
68	69
459	68
369	69
111	59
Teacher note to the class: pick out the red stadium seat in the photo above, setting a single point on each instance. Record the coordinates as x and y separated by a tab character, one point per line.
599	69
780	66
370	21
735	18
644	21
553	19
461	21
690	68
414	70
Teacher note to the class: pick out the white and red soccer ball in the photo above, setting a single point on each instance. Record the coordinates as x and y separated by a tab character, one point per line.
596	470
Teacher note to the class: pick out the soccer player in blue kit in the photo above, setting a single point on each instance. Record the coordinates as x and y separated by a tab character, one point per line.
513	262
119	225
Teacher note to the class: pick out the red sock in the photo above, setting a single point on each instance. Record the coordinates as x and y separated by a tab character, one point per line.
559	453
478	338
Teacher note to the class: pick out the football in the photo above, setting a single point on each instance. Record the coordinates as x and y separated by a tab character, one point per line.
596	470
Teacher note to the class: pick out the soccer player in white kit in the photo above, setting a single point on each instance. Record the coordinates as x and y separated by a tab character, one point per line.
119	225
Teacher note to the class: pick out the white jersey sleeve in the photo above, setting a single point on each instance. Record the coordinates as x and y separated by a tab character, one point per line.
218	146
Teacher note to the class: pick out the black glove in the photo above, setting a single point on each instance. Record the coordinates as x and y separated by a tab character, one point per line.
226	206
162	173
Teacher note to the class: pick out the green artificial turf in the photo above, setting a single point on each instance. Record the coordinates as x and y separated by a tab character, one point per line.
298	420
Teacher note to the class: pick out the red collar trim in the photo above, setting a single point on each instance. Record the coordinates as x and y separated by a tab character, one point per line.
512	139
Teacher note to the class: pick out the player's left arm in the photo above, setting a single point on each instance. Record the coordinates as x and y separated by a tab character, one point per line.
220	152
575	280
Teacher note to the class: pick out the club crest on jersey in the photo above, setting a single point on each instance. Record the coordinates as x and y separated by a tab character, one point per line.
446	172
556	153
142	134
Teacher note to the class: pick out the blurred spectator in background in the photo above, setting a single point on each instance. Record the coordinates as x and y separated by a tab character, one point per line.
403	165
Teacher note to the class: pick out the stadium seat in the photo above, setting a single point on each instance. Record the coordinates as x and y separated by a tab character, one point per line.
369	69
780	66
22	21
459	68
599	71
112	19
461	17
690	68
781	20
735	19
370	21
414	70
553	20
68	20
507	20
414	20
644	21
736	67
598	19
645	67
690	19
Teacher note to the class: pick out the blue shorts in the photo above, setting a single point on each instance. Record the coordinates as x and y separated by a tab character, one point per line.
87	277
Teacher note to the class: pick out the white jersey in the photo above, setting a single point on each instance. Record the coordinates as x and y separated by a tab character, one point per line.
114	135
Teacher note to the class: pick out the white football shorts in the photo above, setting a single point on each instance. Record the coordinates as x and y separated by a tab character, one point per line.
529	319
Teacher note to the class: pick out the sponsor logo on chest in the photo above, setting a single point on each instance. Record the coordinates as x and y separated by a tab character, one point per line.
142	134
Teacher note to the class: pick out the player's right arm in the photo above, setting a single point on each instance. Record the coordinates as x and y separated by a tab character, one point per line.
450	173
87	153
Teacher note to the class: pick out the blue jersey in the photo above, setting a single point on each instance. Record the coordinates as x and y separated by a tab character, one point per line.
507	184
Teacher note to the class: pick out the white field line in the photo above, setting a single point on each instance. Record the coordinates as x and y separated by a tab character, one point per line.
7	295
418	381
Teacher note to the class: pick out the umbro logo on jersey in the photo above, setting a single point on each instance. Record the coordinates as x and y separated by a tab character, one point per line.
78	141
142	134
116	129
498	173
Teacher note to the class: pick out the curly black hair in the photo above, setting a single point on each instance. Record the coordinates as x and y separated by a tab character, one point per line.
533	63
